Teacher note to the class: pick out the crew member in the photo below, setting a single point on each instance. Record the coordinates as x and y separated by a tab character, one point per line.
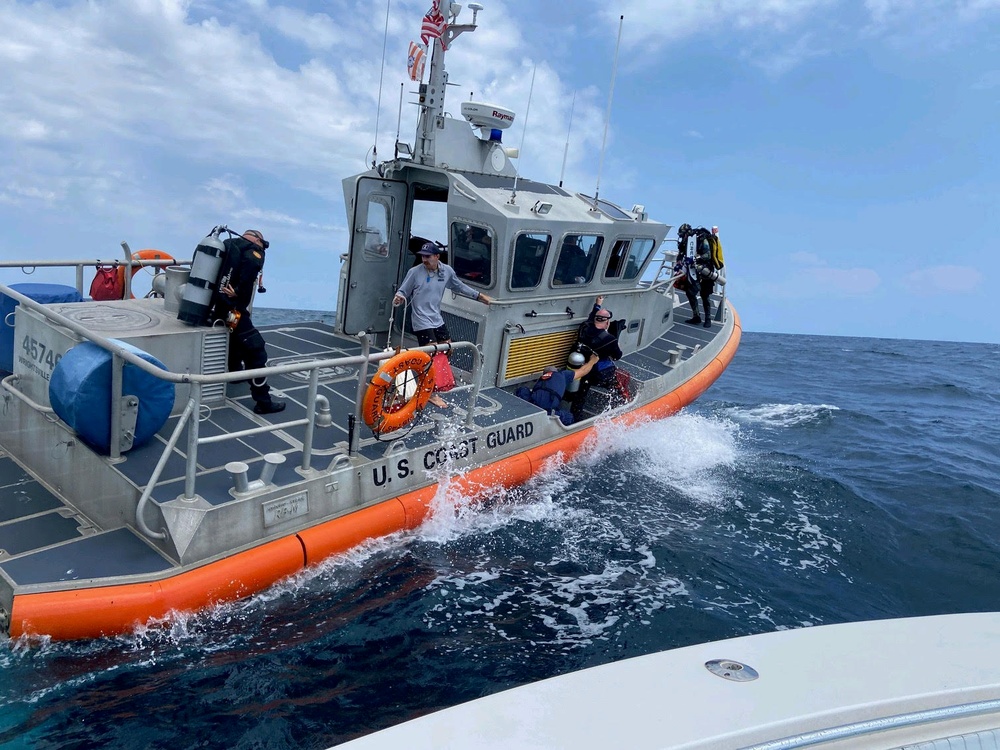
550	389
424	287
244	261
700	274
596	337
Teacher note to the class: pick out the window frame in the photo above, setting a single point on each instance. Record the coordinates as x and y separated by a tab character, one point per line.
457	260
592	258
631	243
536	234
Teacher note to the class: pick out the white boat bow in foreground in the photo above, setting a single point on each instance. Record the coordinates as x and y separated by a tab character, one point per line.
925	682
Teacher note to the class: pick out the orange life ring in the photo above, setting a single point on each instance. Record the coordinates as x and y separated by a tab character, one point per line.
384	408
141	255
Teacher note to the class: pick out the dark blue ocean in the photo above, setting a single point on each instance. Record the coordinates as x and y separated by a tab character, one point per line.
820	480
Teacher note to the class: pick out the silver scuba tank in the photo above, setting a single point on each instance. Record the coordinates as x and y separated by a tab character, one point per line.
196	300
575	361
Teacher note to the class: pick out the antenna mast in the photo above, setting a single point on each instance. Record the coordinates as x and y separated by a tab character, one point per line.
378	107
432	93
527	111
572	108
607	118
399	119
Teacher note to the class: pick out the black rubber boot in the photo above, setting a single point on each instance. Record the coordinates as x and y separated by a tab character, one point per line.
708	313
268	407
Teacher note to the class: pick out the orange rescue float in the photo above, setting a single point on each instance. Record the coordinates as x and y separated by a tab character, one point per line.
386	406
142	255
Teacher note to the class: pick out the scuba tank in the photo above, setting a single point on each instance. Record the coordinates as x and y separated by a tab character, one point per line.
575	361
196	299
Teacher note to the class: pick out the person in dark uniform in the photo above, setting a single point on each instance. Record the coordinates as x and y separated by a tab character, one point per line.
699	276
596	337
549	390
244	261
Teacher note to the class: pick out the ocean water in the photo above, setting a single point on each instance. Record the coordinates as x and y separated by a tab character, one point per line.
820	480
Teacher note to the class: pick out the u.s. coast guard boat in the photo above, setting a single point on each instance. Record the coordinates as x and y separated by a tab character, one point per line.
137	480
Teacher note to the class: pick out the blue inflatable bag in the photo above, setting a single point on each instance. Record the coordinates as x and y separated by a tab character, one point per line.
80	394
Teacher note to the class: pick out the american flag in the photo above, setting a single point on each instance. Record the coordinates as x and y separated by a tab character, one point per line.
434	25
415	62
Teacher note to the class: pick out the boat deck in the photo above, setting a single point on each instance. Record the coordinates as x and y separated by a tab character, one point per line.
44	540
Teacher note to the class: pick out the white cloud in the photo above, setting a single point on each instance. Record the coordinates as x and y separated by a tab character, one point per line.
155	119
933	20
988	80
778	59
948	279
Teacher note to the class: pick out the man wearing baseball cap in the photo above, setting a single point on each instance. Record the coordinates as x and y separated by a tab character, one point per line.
424	287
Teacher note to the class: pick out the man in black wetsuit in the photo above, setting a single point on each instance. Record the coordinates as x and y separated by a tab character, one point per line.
242	265
596	336
700	275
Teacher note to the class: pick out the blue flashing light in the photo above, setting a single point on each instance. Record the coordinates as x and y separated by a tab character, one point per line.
496	134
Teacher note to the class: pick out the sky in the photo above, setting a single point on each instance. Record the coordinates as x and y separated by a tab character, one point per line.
848	150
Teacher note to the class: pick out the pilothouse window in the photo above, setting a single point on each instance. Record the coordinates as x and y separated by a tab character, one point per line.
530	251
377	227
472	252
637	257
628	256
577	259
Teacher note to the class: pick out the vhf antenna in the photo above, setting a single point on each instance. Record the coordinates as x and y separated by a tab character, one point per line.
607	118
378	107
520	152
572	108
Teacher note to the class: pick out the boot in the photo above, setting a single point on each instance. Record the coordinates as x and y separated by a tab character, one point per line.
270	406
708	313
695	318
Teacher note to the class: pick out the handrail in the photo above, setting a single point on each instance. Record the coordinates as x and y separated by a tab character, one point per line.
197	381
79	265
147	491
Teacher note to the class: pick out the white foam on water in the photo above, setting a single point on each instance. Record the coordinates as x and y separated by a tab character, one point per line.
783	415
689	453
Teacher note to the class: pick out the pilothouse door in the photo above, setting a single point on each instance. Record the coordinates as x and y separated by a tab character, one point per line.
375	255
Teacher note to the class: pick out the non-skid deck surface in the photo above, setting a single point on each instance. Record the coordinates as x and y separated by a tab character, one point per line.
112	553
62	545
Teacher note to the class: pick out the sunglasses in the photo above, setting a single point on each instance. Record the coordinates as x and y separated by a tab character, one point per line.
601	317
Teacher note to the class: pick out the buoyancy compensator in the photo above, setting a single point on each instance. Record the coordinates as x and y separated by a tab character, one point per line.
196	299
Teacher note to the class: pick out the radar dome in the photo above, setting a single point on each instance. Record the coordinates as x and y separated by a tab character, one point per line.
487	116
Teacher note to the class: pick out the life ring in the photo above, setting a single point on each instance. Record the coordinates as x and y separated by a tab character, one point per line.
141	255
386	406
